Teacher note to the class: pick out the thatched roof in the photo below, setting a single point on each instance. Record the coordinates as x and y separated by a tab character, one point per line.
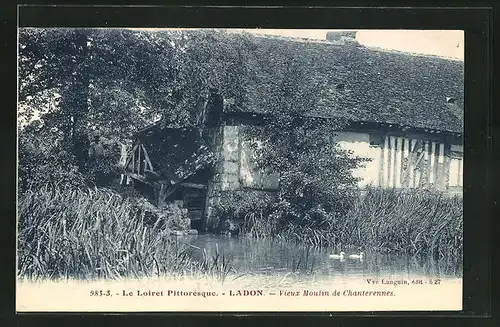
365	84
362	85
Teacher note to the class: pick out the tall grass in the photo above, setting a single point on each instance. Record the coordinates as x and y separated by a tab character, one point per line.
390	220
96	233
259	225
215	265
413	221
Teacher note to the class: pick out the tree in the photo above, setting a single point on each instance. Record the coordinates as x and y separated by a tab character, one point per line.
84	81
316	181
115	81
79	82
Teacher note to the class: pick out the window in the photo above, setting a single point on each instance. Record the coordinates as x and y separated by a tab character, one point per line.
376	139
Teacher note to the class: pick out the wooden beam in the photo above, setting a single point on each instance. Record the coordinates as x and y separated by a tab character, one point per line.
381	165
406	163
148	128
170	190
146	156
130	156
152	174
432	169
132	169
137	176
161	196
413	145
194	185
392	162
418	160
441	167
398	163
426	171
447	163
385	163
142	179
412	163
139	161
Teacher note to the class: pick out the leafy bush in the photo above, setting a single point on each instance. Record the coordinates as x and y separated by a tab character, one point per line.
266	215
41	161
246	209
178	216
47	159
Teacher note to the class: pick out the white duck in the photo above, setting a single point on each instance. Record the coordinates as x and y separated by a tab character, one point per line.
359	256
337	256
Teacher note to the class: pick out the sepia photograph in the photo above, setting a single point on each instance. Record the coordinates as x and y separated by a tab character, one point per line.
196	169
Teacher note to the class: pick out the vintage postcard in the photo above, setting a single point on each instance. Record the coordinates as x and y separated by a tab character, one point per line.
239	170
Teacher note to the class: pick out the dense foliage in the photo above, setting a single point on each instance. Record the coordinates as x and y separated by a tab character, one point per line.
315	175
110	82
76	83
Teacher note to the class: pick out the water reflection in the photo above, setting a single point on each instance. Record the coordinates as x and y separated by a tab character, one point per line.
248	256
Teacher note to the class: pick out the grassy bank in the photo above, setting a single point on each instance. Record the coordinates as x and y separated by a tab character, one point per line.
96	233
391	220
415	221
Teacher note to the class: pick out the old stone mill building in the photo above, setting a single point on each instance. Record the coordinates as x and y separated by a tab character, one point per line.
405	113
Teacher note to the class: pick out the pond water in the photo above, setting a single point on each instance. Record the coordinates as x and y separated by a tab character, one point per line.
250	256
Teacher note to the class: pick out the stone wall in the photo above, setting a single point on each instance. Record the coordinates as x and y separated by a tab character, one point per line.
226	170
232	170
230	157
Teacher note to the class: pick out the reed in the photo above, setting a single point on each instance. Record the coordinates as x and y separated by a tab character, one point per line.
414	221
387	220
93	233
216	265
96	233
259	225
